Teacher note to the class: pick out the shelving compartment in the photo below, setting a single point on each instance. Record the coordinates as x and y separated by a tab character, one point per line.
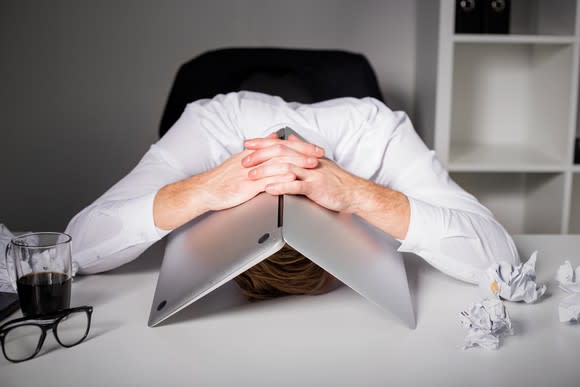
510	106
575	205
522	202
542	17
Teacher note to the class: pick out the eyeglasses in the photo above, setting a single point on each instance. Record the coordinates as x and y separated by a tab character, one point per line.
22	338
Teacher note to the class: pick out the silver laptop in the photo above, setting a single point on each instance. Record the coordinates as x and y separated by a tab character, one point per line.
214	248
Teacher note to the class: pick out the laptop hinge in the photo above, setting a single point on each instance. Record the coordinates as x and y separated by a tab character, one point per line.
280	210
282	135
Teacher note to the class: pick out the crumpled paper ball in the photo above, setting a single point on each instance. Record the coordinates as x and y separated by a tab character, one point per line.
569	308
512	282
486	322
568	278
569	281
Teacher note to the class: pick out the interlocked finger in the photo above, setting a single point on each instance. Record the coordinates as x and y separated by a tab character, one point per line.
296	187
261	184
280	166
275	169
262	155
299	146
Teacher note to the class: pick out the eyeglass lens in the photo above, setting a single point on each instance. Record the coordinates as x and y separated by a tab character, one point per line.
72	329
21	342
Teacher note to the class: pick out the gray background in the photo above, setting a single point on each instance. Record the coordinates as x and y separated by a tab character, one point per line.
83	84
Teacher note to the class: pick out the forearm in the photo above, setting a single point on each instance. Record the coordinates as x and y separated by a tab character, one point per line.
458	242
110	233
178	203
382	207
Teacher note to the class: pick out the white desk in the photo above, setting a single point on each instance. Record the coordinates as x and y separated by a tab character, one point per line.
334	339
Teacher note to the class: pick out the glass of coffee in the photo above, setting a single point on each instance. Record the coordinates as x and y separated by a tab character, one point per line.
41	265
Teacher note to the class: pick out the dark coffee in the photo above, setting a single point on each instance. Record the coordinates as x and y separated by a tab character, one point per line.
45	292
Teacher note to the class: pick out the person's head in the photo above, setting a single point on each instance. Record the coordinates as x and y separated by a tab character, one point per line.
287	272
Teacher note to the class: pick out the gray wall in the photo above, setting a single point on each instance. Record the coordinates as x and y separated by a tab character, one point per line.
83	83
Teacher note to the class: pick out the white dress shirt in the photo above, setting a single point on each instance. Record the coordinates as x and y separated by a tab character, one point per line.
448	227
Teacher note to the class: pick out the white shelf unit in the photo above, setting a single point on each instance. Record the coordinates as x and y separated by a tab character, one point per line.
500	110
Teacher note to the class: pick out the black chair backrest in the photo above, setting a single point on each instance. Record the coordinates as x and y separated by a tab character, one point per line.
304	76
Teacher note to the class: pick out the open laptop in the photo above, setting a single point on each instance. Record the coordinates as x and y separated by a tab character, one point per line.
216	247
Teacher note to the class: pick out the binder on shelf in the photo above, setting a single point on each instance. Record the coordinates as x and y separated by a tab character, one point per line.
496	16
468	16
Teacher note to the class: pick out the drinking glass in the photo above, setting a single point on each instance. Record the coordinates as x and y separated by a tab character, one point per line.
40	265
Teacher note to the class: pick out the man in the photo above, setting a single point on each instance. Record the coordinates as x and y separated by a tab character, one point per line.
364	159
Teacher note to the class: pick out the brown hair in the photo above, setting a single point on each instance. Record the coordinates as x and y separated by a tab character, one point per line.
287	272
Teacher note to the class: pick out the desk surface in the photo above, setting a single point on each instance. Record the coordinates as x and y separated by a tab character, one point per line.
334	339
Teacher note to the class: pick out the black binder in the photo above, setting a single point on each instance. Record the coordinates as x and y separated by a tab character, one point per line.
496	16
468	16
577	151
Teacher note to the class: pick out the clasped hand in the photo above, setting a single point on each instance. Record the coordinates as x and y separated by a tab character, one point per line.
281	167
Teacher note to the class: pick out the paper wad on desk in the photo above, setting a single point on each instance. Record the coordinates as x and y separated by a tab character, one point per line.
512	282
569	281
487	321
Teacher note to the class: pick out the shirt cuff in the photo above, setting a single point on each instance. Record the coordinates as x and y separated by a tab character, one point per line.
137	215
416	233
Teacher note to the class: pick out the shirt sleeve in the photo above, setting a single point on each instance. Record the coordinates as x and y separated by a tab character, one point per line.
449	227
119	225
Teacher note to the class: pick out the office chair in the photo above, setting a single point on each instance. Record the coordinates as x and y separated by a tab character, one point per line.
304	76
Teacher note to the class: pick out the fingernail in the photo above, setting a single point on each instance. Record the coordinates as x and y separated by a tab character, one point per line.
246	160
249	143
253	172
311	160
319	151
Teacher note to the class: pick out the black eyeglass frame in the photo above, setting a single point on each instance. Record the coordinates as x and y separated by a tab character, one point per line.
55	318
